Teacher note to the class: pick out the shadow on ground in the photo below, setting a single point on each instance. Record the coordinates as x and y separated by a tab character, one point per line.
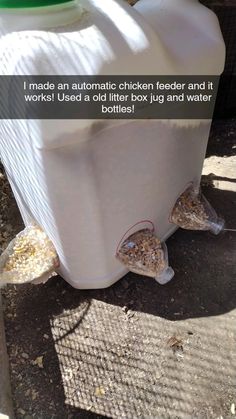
107	353
204	282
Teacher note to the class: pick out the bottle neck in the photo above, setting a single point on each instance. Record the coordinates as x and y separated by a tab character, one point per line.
39	18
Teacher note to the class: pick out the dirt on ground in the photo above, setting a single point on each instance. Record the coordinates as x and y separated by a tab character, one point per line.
136	349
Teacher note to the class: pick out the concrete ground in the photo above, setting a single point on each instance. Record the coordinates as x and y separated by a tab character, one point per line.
137	349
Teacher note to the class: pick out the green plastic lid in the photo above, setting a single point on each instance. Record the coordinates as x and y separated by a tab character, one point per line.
19	4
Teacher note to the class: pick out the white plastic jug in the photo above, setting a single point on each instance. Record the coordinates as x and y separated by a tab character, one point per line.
86	182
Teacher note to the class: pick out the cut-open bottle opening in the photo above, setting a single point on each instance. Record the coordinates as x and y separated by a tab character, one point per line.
29	257
192	211
144	254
